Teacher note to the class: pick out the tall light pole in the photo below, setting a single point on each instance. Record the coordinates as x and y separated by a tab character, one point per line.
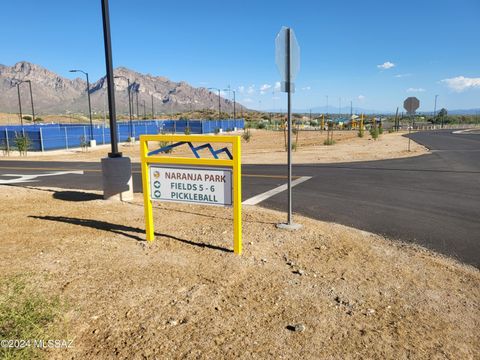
111	89
327	105
129	102
19	102
116	169
219	105
89	103
136	96
31	99
153	113
230	90
435	108
234	104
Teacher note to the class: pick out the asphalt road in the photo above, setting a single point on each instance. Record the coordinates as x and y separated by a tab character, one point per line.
432	200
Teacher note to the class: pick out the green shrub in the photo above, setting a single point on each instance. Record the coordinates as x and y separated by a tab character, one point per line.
380	130
187	130
5	147
27	117
261	125
162	144
22	143
361	133
374	133
84	143
247	135
217	130
329	142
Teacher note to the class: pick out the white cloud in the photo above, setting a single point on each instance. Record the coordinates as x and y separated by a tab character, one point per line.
306	88
247	100
277	86
461	83
402	75
241	89
386	65
264	88
416	90
251	89
361	97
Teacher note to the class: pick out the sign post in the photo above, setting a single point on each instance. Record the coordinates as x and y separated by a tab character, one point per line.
207	181
287	58
411	104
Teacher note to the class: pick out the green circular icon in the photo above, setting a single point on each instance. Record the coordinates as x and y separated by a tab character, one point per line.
156	184
157	193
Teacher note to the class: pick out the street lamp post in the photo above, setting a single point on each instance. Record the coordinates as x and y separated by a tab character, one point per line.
229	89
219	105
153	112
129	103
116	170
234	105
136	96
435	109
19	103
89	103
31	99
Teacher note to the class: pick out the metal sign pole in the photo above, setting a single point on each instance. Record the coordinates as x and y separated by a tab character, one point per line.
289	122
410	130
287	59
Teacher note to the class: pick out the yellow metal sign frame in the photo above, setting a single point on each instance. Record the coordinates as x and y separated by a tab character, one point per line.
234	163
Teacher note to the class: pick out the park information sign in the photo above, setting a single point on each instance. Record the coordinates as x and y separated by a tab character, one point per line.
191	185
212	177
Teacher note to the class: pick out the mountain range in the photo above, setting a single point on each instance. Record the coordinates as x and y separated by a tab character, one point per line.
54	94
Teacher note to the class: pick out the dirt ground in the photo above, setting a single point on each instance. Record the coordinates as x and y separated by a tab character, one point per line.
13	119
268	147
186	295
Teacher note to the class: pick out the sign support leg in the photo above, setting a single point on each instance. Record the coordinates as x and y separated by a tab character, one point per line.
147	203
237	197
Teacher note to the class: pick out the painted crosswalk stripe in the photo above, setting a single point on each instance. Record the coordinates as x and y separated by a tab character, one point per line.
261	197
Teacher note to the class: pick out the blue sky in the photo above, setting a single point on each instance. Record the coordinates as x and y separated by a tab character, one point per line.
373	53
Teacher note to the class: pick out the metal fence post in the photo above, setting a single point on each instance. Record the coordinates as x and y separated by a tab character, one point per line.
66	138
84	133
103	134
6	139
41	139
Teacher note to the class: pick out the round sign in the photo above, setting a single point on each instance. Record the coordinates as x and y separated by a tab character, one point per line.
411	104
